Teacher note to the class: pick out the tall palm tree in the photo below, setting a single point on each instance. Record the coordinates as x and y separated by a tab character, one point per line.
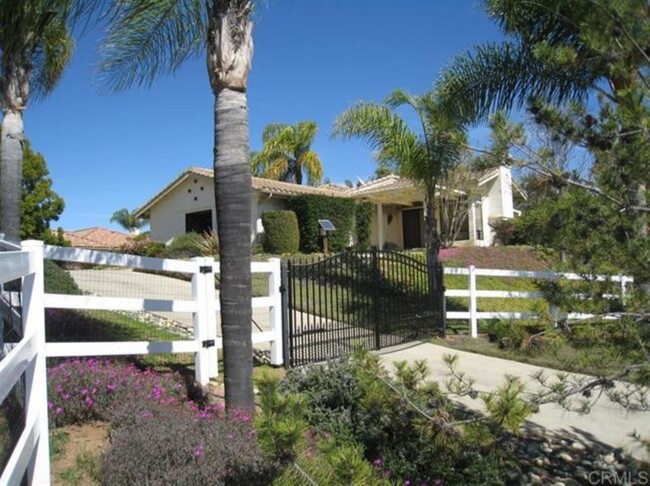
35	47
287	153
560	51
146	39
128	220
423	157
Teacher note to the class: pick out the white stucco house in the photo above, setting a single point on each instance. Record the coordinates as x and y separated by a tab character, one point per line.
187	204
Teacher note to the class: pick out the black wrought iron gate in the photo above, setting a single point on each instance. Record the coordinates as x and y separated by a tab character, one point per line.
375	298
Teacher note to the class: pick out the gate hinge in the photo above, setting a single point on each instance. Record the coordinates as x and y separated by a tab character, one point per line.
205	269
208	343
282	289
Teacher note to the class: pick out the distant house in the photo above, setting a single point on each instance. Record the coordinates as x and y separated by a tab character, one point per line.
97	239
187	204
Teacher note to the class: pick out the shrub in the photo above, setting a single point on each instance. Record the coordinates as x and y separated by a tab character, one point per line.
404	425
309	209
280	232
58	280
208	243
184	246
180	447
80	390
362	221
141	245
504	231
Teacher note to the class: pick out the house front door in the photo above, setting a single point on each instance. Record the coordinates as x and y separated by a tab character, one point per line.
412	228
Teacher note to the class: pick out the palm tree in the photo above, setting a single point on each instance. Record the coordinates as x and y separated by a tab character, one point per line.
35	47
287	153
127	220
423	157
146	39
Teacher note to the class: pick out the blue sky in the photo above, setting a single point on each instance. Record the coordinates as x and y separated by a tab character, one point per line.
313	59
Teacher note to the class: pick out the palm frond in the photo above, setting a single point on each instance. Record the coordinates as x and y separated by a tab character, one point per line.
393	141
502	76
149	38
305	133
51	56
310	162
276	169
272	130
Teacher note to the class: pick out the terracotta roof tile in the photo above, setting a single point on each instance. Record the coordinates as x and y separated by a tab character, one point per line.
96	238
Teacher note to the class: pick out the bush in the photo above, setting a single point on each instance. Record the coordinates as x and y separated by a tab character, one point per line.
181	447
362	221
141	245
280	232
504	231
208	243
357	403
184	246
309	209
80	390
58	280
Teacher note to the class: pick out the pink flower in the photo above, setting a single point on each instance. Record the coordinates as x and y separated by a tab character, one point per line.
58	410
198	450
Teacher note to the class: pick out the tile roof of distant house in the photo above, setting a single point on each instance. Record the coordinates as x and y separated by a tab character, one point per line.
267	186
96	238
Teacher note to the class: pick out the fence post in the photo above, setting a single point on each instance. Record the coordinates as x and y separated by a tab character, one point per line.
36	373
275	312
473	322
284	294
203	272
211	318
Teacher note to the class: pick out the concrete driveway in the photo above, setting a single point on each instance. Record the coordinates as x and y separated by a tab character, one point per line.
607	422
112	282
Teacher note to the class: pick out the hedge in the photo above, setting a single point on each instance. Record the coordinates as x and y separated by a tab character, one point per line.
362	221
280	232
309	209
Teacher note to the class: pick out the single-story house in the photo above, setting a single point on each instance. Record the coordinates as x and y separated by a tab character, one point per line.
187	204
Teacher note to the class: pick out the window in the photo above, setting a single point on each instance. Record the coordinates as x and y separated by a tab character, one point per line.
198	222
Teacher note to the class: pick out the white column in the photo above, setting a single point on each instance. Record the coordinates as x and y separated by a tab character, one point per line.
275	313
380	226
36	373
488	233
472	222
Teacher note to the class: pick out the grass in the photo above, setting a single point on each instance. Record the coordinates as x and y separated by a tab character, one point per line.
87	326
594	349
84	471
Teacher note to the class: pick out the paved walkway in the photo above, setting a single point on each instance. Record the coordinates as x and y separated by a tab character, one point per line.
607	422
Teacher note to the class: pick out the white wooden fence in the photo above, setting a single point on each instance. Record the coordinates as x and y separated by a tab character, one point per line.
204	305
31	453
473	293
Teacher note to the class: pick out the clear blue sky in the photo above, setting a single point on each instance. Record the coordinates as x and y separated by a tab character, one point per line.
313	59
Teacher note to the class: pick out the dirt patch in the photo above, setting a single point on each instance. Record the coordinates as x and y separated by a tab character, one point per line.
82	447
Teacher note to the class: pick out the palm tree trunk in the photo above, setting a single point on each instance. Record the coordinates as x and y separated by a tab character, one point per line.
233	191
431	236
11	173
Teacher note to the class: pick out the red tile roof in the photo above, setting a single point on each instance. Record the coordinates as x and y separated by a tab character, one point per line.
96	238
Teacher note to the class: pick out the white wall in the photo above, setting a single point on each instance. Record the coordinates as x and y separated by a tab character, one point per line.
167	217
393	231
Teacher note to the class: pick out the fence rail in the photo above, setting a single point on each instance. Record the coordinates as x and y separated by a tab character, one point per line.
473	293
27	357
